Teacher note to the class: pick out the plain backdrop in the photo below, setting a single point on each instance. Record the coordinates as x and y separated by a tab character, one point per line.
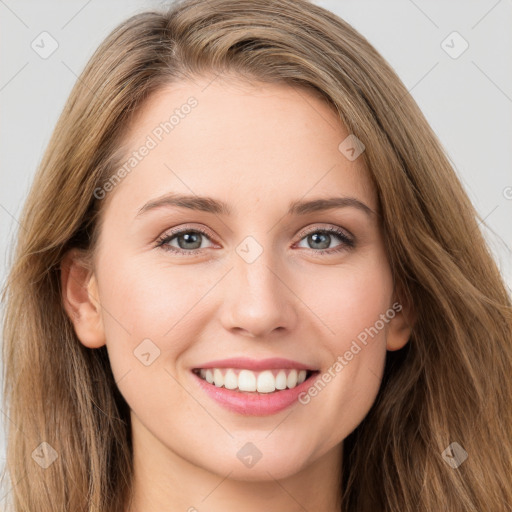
461	81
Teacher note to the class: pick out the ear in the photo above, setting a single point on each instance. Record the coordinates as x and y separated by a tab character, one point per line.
400	326
80	299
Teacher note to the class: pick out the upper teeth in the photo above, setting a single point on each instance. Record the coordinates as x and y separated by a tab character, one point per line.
266	381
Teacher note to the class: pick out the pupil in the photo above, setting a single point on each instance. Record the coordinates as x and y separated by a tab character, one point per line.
315	239
189	238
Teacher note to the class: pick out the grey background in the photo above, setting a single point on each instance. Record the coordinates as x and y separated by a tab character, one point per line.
467	100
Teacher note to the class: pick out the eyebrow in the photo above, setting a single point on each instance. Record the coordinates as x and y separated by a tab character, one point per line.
211	205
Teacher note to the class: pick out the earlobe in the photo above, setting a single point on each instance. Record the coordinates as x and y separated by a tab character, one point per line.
81	300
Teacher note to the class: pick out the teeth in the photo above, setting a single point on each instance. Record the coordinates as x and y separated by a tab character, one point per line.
267	381
230	380
291	382
246	381
281	380
218	378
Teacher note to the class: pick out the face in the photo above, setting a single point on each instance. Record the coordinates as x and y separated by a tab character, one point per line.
254	274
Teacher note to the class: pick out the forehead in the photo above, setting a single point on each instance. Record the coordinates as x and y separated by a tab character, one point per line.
214	136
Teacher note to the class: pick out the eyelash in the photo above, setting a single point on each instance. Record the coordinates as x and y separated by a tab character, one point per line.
347	241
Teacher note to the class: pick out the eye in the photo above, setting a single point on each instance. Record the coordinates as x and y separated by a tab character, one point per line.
188	240
321	239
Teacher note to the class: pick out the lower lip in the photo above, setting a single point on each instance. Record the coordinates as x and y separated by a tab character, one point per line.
255	404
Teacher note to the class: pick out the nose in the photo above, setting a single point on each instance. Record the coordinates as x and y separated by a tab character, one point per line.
258	300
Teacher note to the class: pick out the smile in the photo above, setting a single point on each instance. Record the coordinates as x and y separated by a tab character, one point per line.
251	387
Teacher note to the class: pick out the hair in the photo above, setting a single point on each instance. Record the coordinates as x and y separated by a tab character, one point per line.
452	380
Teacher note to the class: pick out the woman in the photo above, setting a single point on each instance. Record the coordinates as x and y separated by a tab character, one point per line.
337	336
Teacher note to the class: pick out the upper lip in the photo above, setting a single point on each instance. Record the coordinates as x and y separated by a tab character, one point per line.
255	364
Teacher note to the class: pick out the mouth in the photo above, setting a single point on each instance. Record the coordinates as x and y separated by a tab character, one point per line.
268	381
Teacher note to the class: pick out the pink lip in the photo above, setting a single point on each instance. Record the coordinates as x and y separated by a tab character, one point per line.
256	365
254	404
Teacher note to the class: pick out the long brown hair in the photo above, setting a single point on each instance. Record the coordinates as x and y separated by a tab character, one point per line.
450	383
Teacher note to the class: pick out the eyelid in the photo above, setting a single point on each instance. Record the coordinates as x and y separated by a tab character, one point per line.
185	228
326	227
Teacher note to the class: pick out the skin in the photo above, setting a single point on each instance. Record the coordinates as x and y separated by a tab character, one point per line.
256	147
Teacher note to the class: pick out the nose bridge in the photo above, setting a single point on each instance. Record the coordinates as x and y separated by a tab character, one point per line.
257	277
257	301
253	264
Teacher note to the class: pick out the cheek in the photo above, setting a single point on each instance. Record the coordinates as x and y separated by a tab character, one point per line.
150	309
151	297
150	317
348	299
351	308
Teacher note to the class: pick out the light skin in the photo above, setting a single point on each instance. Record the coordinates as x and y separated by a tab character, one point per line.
257	148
